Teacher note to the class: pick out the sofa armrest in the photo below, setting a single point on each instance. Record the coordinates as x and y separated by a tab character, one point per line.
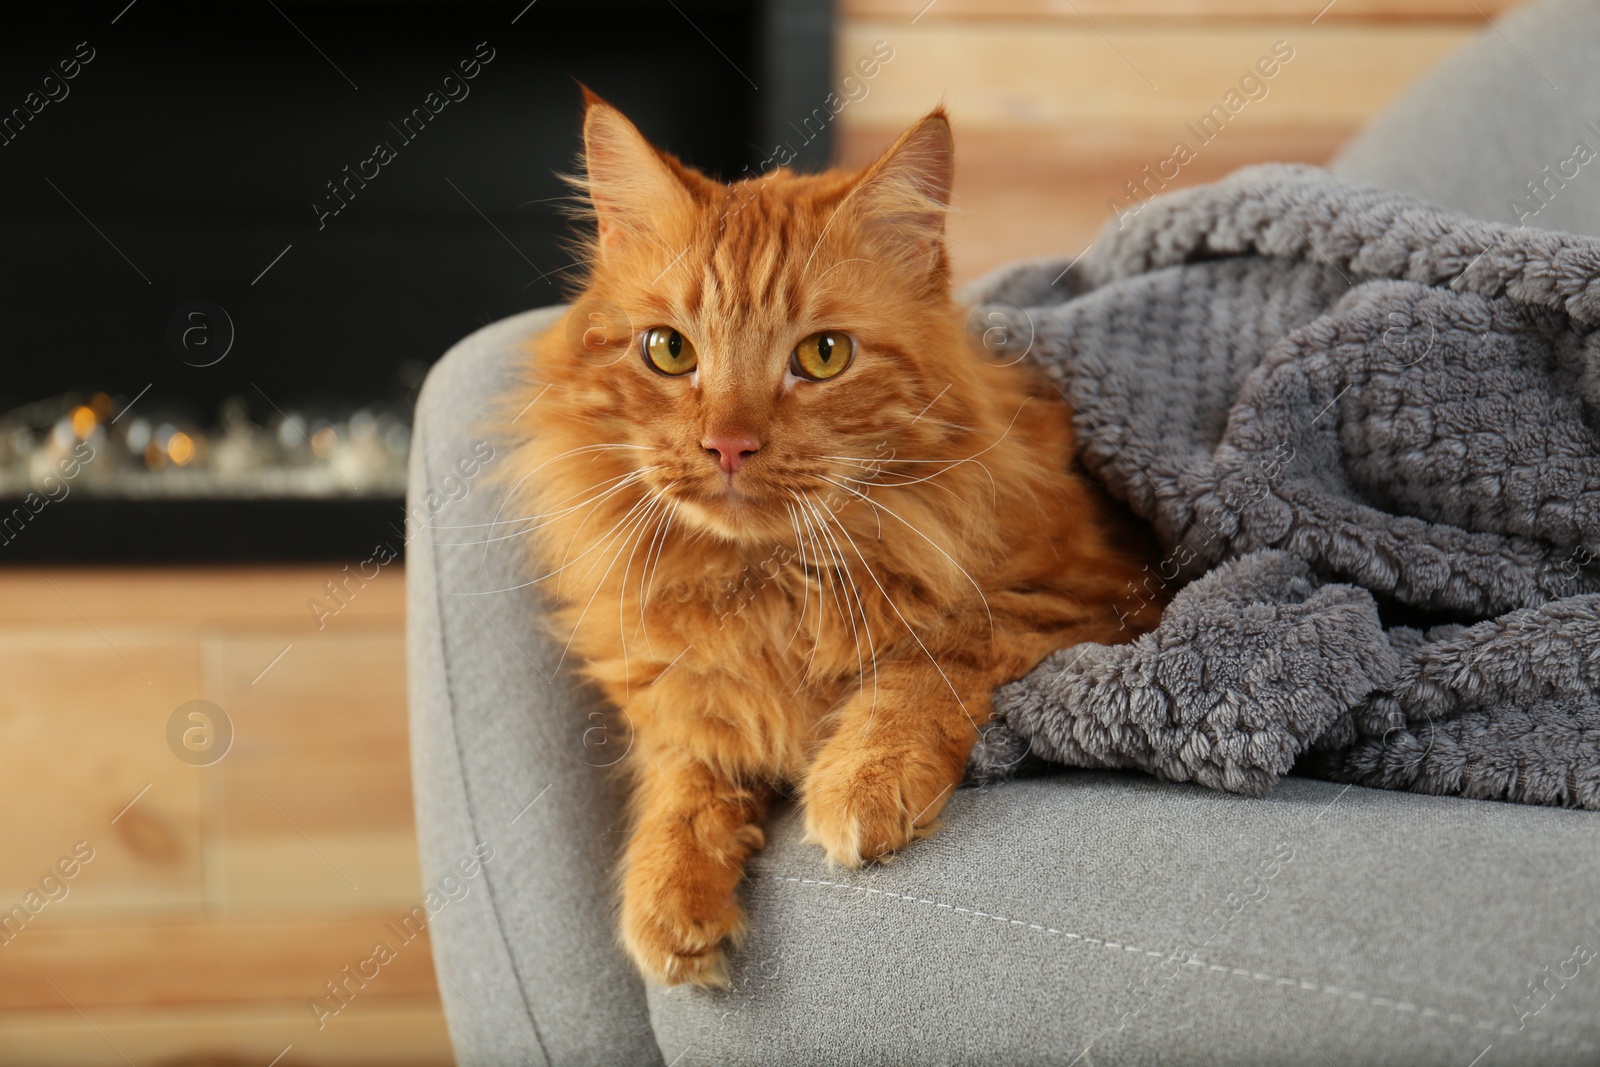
504	757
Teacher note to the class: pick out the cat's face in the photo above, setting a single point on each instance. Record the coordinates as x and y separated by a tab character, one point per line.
758	345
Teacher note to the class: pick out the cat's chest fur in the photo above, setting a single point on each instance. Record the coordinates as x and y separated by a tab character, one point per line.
780	637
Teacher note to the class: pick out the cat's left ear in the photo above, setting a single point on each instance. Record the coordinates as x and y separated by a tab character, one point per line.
635	190
904	196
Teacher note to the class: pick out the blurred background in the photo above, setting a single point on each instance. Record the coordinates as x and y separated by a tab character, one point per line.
236	234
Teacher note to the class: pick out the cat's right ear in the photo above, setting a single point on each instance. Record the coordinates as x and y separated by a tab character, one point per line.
634	190
903	197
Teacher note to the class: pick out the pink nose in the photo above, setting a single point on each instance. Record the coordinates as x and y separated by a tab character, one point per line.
731	452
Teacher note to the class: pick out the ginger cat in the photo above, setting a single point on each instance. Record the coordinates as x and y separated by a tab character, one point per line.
796	527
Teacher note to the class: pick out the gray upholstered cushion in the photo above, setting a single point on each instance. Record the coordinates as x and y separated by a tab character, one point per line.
1402	929
1153	923
1488	119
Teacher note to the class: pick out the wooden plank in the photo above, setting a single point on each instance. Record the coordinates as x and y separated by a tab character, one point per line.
197	595
1023	75
84	714
210	915
1071	153
1053	121
314	803
323	733
397	1032
278	871
1113	11
192	960
1021	194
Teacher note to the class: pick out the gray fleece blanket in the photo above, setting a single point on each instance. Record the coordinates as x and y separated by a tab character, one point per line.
1366	432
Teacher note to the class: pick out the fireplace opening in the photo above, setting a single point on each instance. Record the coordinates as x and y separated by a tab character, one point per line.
237	235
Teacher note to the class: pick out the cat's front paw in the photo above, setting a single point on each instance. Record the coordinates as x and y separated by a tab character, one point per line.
864	803
671	944
679	912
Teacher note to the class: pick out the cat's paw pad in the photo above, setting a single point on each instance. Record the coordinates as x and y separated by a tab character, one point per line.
864	805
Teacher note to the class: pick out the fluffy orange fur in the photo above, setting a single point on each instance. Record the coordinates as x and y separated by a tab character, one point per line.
833	614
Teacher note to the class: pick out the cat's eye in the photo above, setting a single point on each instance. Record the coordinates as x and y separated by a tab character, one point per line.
668	351
822	355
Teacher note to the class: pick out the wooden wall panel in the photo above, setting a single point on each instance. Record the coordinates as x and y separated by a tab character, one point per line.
218	904
313	734
1054	198
1067	77
1058	105
184	959
315	802
1115	11
83	719
394	1033
192	595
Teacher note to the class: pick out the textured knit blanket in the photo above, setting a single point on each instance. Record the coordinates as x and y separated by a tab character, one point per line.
1367	434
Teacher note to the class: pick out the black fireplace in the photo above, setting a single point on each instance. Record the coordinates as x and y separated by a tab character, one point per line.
236	234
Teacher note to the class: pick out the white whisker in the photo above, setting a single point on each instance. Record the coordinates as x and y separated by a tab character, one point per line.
805	588
597	544
634	527
824	576
906	623
511	492
844	574
908	525
546	518
496	521
903	484
949	464
647	579
565	561
640	508
653	512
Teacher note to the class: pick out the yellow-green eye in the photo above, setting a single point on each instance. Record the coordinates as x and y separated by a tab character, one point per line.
822	355
668	351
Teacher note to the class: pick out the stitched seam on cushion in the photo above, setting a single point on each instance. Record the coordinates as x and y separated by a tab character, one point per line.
1359	997
461	768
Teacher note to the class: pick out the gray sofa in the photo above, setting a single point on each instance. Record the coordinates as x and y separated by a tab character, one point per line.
1078	918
